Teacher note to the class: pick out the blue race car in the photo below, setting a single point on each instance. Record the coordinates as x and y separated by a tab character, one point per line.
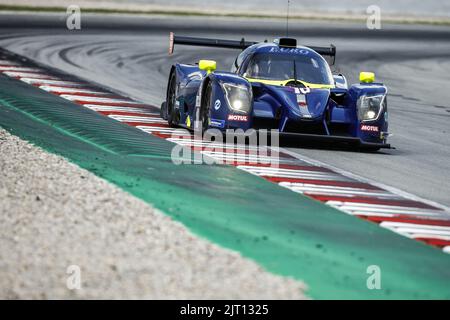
278	85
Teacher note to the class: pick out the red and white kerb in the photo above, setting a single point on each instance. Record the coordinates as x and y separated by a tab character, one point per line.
411	218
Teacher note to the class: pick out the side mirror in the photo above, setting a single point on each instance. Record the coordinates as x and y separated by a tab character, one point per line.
340	81
366	77
207	65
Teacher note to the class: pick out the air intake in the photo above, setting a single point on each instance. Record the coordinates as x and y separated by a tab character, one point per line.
287	42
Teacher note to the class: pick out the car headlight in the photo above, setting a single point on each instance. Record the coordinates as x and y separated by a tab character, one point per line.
370	107
239	97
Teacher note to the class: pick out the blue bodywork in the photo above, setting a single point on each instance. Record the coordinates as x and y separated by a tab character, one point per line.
311	111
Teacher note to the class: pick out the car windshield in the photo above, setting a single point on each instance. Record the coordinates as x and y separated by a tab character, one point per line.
310	69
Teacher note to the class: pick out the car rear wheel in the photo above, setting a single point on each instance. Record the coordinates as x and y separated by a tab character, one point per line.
163	110
205	110
172	114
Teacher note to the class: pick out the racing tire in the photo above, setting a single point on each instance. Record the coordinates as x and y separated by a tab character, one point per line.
163	110
172	115
205	109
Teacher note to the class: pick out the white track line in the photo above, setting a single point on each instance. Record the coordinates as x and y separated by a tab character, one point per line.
123	118
65	90
428	236
150	129
391	210
100	108
390	224
375	205
231	157
332	192
413	232
8	63
15	74
333	189
300	174
265	170
202	143
19	68
406	195
369	214
55	82
72	97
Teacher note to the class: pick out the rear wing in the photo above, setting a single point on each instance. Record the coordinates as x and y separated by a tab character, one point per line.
327	52
204	42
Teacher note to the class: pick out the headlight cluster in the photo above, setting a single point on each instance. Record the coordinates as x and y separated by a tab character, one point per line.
239	97
370	107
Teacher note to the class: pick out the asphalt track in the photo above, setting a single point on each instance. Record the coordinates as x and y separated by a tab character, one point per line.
301	237
129	55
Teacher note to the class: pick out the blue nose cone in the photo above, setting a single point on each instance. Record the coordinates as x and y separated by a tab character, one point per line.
305	104
317	101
